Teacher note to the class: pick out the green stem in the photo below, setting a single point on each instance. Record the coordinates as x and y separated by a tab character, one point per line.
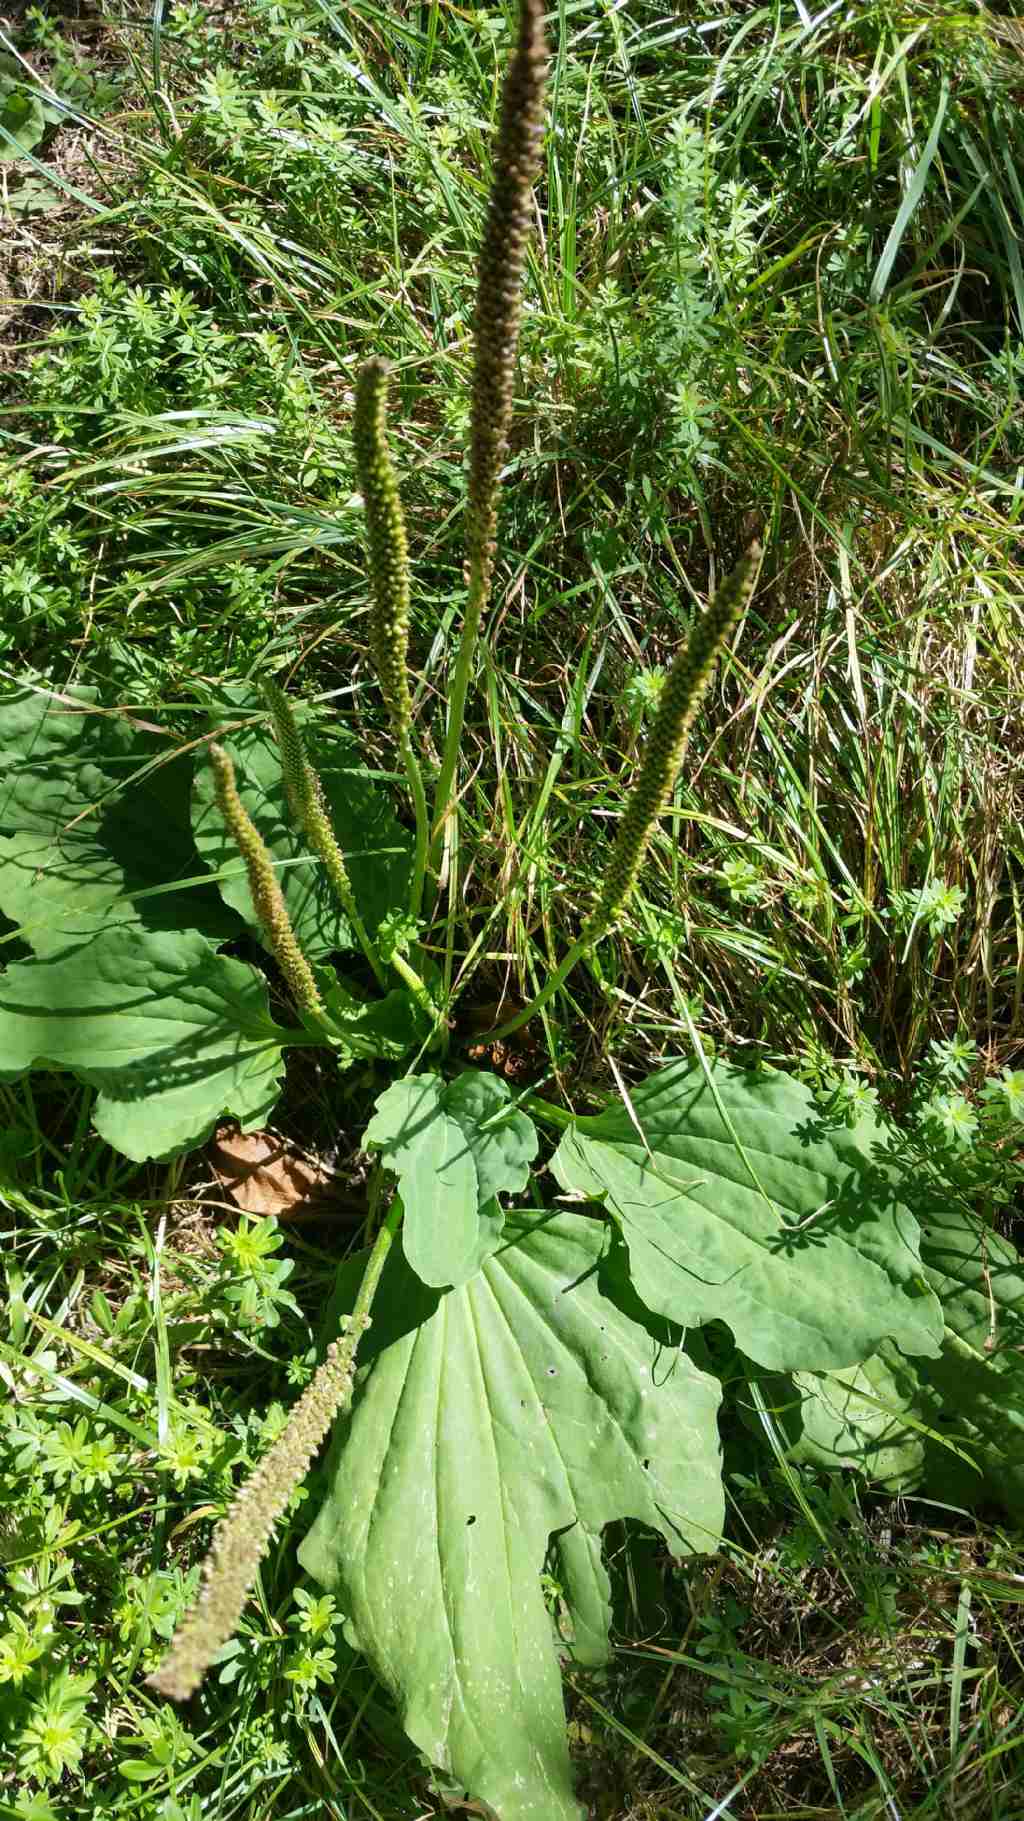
962	1347
412	980
445	795
364	939
547	1113
342	890
422	815
241	1539
375	1265
547	991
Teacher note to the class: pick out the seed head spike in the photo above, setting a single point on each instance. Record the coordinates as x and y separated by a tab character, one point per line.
680	699
496	334
387	544
309	813
266	892
500	284
241	1538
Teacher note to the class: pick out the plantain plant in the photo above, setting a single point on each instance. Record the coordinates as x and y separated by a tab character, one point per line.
505	1373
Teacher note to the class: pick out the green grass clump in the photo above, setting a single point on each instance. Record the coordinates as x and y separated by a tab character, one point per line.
774	287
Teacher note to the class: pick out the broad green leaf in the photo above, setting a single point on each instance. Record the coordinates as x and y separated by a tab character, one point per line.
503	1144
502	1139
55	891
367	1028
32	197
520	1407
61	755
376	848
172	1035
455	1147
967	1403
586	1588
974	1392
437	1178
858	1418
735	1207
23	119
94	811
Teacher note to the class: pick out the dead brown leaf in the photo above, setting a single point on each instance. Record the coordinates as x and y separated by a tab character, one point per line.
264	1174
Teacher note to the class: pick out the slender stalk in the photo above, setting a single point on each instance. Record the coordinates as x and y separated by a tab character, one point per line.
580	948
417	986
422	820
496	328
241	1538
306	801
548	1112
685	687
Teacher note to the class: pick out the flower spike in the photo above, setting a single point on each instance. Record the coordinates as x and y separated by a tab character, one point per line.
389	575
309	813
681	696
388	545
266	892
499	294
496	330
241	1538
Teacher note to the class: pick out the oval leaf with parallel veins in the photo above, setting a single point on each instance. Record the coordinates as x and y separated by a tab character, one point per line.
523	1406
737	1206
172	1035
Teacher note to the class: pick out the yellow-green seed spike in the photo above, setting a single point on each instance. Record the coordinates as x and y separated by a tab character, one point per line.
389	578
306	802
295	766
499	298
241	1538
499	294
266	892
681	696
387	544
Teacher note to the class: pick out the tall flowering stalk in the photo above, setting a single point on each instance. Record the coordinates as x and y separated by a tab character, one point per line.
242	1537
496	332
681	696
389	576
306	802
267	896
